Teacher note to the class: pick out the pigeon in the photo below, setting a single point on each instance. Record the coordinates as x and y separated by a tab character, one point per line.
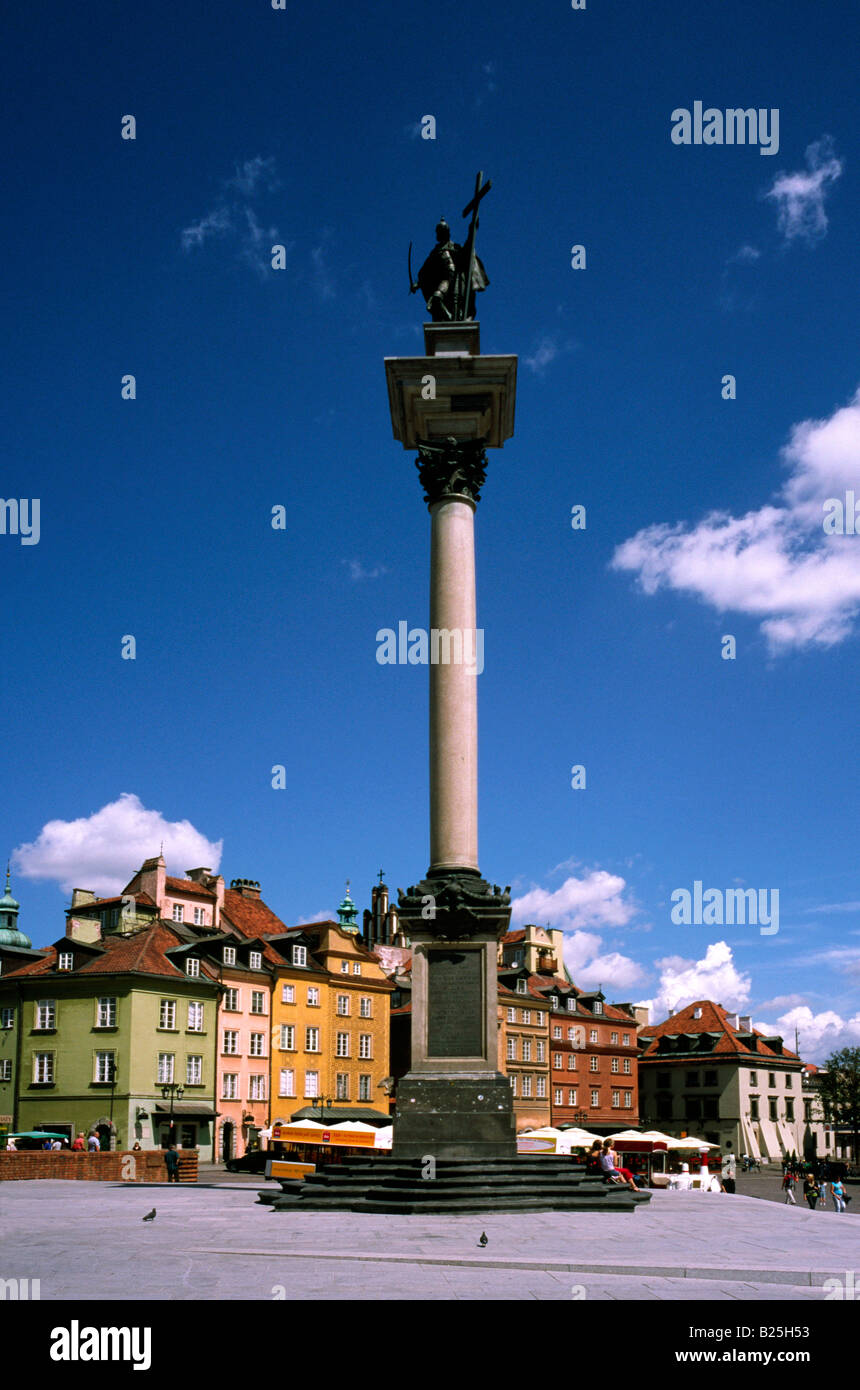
150	1215
482	1242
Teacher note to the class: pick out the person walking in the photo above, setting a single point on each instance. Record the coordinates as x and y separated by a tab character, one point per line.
171	1159
823	1183
837	1192
810	1191
93	1145
788	1187
729	1171
79	1143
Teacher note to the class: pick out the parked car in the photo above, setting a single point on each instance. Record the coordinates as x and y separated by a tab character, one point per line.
254	1161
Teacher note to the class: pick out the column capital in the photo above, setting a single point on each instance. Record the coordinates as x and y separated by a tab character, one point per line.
452	468
462	904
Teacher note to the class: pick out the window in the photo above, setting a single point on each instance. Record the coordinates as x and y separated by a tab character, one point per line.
527	1049
789	1079
257	1090
287	1085
165	1068
522	987
167	1014
313	996
541	1050
626	1065
364	1087
771	1079
512	1015
571	1061
594	1064
106	1012
257	1048
628	1100
571	1004
231	1000
541	1087
613	1038
7	1018
664	1107
6	1069
104	1067
557	1095
789	1111
595	1099
199	917
539	1017
193	1070
255	960
341	1086
709	1078
342	1045
229	955
343	1005
807	1111
65	960
553	1003
288	1037
365	1046
592	1035
312	1040
288	994
616	1100
300	955
754	1107
344	967
312	1084
195	1017
664	1080
178	912
527	1086
773	1106
571	1098
613	1065
192	966
527	1016
230	1086
258	1001
366	1007
625	1039
356	967
753	1078
692	1078
512	1049
231	1042
557	1061
46	1014
598	1006
697	1013
556	1032
513	1081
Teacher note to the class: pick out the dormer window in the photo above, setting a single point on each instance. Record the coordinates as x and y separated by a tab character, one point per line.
192	966
553	1001
522	986
300	955
178	912
697	1013
229	955
255	960
571	1004
66	960
199	917
344	967
598	1006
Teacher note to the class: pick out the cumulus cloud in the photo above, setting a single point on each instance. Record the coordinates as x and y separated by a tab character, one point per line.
715	976
234	218
598	899
547	351
358	572
102	851
818	1034
745	255
775	563
799	197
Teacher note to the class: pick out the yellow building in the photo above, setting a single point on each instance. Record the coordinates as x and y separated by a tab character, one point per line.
330	1025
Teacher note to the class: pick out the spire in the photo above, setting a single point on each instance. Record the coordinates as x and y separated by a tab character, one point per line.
347	912
9	909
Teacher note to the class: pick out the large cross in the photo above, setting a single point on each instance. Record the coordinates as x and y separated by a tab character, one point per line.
472	208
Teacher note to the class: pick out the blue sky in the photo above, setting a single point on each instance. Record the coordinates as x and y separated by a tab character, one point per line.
257	388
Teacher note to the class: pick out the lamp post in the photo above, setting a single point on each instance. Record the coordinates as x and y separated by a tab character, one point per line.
580	1117
324	1103
112	1080
174	1090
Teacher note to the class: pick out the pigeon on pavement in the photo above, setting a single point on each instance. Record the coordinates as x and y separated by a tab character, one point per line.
483	1240
150	1215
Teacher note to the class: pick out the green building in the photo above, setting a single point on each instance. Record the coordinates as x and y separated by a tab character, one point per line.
114	1027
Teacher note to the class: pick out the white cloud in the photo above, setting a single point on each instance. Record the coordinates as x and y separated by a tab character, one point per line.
745	255
800	196
835	907
818	1034
546	352
776	563
595	900
215	223
322	276
235	218
714	977
251	174
588	968
102	851
358	572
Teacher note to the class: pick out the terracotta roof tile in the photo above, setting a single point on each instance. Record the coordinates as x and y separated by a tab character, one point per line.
187	885
141	952
251	916
713	1019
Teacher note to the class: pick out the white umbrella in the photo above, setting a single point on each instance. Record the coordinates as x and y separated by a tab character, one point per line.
357	1126
307	1124
384	1137
693	1144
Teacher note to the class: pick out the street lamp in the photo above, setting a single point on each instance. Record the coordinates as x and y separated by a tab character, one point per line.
580	1117
112	1080
324	1102
172	1089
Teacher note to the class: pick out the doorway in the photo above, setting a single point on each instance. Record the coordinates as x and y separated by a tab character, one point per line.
227	1132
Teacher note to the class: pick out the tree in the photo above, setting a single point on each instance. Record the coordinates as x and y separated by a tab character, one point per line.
839	1090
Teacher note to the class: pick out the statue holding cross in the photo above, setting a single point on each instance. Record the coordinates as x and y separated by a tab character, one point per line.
452	274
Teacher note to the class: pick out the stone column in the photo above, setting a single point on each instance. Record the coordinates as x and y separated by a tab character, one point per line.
453	687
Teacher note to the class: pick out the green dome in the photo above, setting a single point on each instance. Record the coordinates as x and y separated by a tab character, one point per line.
9	909
347	912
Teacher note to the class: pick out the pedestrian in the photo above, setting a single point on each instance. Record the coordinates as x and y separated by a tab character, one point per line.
810	1191
610	1169
171	1159
135	1148
837	1192
93	1145
788	1188
11	1146
79	1143
592	1161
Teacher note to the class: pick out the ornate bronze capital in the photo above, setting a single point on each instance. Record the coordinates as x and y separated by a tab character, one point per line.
452	469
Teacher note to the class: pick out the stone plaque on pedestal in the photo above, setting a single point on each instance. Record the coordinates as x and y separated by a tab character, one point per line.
455	1003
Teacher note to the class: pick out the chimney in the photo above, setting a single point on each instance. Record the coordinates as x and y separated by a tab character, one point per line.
87	929
733	1020
248	887
81	896
151	878
199	876
745	1023
642	1015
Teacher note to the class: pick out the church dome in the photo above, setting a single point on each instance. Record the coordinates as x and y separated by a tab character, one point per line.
9	909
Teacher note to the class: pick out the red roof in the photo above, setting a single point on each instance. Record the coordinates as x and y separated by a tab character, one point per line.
713	1019
513	936
141	952
251	916
187	885
142	899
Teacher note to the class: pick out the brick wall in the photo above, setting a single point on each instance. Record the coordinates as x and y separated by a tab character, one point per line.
148	1166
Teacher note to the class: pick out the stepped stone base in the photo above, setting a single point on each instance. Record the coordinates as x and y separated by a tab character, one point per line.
407	1186
435	1113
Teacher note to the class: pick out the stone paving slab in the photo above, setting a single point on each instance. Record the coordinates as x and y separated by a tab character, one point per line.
87	1240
